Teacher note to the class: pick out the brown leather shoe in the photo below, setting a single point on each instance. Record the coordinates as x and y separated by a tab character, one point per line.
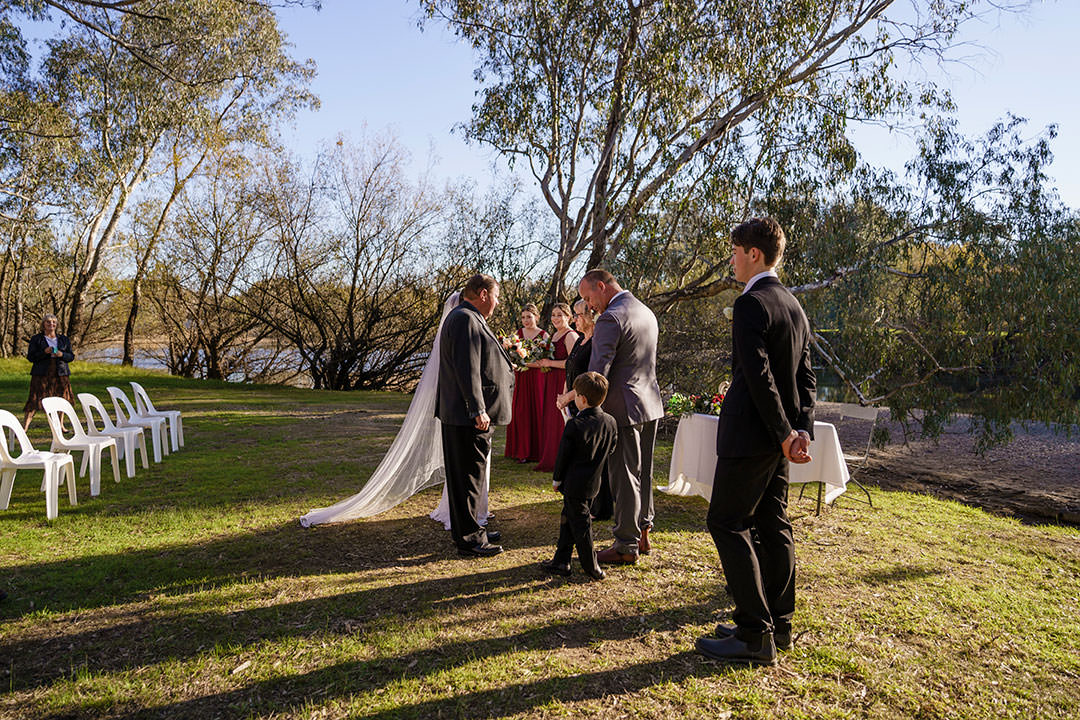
643	546
611	556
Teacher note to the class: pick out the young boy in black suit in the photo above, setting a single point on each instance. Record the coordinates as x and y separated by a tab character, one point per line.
587	441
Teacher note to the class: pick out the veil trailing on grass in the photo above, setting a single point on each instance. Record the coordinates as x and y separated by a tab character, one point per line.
414	460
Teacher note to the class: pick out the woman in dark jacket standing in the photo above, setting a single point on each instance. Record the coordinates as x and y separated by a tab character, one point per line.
50	352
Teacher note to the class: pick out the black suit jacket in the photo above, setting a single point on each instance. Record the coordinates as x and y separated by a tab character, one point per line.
475	373
587	440
35	353
773	387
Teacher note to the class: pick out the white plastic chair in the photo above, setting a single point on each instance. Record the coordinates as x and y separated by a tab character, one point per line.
128	437
55	409
126	416
58	467
147	409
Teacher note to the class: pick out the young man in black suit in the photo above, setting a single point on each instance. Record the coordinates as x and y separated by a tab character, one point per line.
766	421
475	379
588	439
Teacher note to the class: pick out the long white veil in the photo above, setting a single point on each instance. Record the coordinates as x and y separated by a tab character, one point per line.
414	460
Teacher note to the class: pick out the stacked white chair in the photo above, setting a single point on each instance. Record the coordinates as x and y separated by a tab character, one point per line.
56	409
58	467
146	408
127	416
128	438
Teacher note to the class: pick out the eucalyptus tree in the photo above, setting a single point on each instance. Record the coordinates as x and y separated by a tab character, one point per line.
133	124
35	145
100	17
617	108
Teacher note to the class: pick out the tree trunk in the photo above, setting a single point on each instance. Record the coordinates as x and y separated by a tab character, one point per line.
129	328
17	319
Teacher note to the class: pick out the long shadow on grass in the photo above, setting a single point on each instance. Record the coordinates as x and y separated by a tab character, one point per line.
139	640
286	550
290	694
900	573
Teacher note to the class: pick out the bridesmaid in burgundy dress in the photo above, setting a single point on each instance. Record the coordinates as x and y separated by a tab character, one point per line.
523	432
551	417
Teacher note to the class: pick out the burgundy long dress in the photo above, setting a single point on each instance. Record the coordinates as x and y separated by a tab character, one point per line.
551	417
523	432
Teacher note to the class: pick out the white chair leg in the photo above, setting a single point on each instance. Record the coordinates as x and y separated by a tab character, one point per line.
180	427
128	448
155	438
68	470
164	438
95	470
174	434
7	480
142	446
52	490
115	463
85	462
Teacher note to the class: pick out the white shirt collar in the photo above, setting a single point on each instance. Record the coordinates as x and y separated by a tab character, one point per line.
751	281
618	294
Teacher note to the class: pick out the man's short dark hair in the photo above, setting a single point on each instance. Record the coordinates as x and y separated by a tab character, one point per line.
592	386
765	234
476	283
598	275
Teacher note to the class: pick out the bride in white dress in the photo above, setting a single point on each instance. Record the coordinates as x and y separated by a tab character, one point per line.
413	462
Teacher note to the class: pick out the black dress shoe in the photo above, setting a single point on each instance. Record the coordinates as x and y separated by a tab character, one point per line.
494	536
480	550
595	573
553	568
731	649
781	638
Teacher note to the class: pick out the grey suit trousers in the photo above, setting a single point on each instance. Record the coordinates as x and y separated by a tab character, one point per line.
630	470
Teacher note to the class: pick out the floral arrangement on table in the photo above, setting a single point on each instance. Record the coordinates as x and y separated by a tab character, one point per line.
524	351
680	404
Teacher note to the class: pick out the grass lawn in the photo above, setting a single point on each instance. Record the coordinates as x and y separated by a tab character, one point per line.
192	592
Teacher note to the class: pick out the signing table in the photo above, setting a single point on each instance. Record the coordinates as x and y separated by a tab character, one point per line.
693	460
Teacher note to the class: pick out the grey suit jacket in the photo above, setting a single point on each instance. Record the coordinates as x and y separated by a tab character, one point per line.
475	374
624	351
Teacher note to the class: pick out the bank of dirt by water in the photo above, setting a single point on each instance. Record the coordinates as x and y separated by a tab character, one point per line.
1035	477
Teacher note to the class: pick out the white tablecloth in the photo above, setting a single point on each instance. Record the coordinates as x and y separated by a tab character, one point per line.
693	459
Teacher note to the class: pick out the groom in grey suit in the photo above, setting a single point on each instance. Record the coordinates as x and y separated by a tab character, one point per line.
624	351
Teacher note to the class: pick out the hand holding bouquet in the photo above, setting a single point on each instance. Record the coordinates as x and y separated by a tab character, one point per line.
525	353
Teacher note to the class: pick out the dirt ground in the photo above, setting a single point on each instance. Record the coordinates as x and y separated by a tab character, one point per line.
1035	477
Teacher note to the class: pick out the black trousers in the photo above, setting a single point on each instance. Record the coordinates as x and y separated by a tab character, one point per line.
748	504
465	451
575	528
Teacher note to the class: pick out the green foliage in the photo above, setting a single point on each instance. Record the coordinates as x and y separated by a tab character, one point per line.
958	295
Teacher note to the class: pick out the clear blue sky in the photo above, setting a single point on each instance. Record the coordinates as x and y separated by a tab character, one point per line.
377	69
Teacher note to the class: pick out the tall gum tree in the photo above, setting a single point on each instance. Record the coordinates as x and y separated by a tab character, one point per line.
617	108
136	124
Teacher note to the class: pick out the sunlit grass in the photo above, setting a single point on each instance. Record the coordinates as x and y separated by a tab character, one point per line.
192	591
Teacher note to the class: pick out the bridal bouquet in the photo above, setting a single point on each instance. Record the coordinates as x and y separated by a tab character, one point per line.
679	404
523	352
